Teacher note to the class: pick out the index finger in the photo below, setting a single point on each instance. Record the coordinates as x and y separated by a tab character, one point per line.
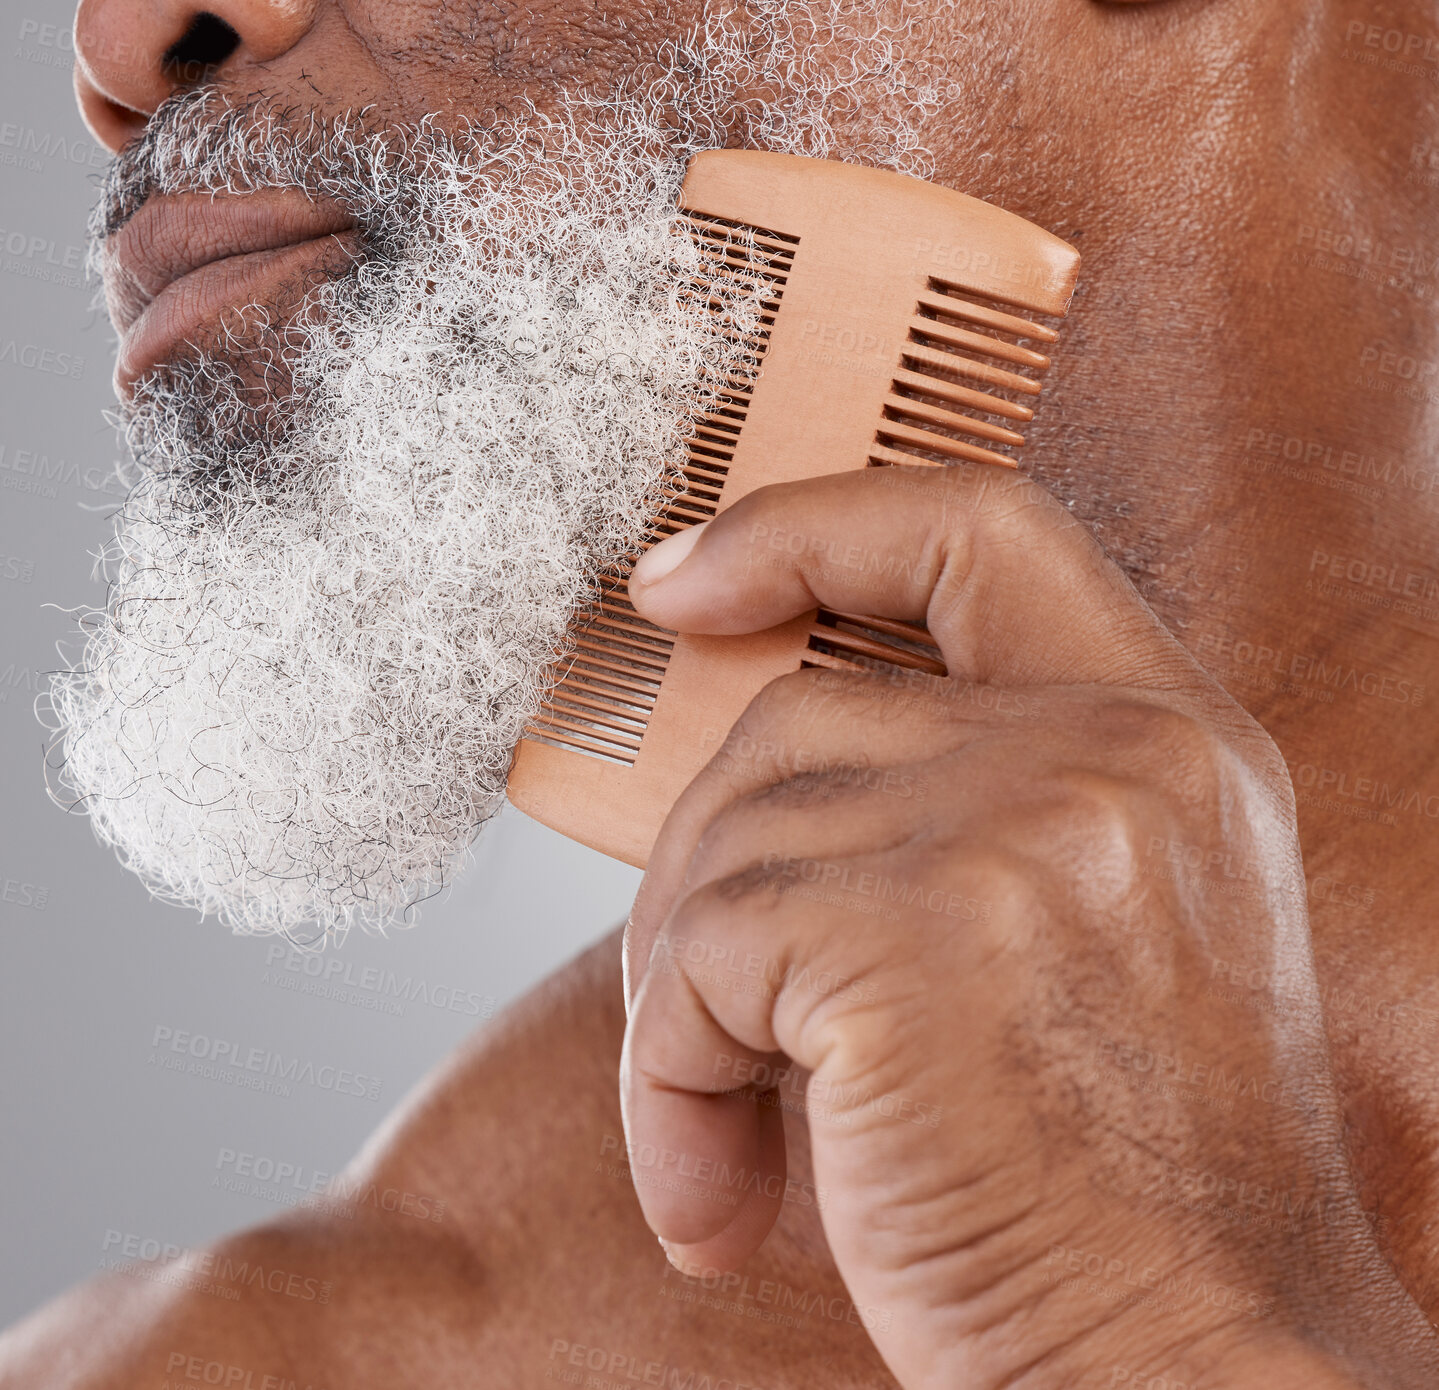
1013	588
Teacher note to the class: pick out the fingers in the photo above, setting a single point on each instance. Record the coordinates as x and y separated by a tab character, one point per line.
695	1035
809	748
1013	589
686	1112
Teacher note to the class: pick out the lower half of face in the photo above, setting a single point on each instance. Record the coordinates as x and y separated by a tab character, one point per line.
369	503
373	495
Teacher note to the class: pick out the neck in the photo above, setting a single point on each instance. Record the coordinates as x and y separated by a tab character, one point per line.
1270	484
1244	403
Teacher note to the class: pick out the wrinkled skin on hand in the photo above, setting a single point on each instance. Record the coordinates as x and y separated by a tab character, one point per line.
992	915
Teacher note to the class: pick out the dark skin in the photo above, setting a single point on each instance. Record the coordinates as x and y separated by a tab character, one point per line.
1244	411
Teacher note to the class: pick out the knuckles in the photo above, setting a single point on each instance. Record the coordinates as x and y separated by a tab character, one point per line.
710	906
1078	804
758	733
747	827
1185	754
1086	823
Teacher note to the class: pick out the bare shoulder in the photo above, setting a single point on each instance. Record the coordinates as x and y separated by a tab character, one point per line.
255	1309
488	1235
520	1101
412	1264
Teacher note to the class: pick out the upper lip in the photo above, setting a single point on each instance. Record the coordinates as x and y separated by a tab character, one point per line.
174	234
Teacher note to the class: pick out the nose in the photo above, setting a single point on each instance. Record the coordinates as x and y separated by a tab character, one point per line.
132	54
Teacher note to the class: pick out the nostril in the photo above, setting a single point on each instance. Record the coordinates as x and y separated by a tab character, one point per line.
200	49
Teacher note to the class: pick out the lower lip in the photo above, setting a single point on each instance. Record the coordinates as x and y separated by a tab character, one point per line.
208	297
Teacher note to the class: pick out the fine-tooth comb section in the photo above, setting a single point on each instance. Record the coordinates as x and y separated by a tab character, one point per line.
899	323
601	701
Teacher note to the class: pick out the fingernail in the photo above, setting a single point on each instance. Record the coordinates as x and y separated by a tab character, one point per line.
660	560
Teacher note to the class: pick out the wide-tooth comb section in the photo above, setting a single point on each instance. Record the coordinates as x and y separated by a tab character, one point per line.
934	411
847	641
921	425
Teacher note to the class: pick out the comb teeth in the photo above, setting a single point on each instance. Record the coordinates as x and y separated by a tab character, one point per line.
602	700
921	425
935	412
846	641
899	322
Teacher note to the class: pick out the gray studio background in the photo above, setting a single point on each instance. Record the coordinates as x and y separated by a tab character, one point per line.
95	1138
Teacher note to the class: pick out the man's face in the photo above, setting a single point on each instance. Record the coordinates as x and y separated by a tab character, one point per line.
397	390
380	467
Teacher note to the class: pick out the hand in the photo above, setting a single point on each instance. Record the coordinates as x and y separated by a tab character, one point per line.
999	918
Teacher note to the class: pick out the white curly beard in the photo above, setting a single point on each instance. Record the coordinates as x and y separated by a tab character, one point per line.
332	616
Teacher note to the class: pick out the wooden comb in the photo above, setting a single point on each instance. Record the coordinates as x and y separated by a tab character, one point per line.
891	336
